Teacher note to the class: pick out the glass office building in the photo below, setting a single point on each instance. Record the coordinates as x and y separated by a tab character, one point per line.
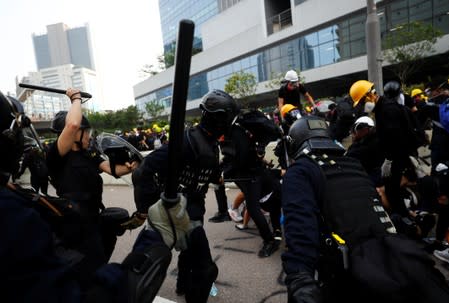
63	45
324	44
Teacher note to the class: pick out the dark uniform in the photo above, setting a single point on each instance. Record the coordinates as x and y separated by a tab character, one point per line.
325	193
200	166
30	267
244	161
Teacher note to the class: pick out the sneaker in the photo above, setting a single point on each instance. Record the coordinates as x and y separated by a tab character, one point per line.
443	255
434	246
268	248
277	235
241	226
219	217
235	216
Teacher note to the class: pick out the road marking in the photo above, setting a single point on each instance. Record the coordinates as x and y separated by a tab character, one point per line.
162	300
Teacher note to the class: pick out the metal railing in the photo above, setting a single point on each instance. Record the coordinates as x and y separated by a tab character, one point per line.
279	22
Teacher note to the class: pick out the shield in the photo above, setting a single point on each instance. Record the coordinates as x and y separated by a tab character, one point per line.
117	148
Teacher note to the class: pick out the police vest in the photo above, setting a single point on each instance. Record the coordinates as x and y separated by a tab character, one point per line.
351	206
80	181
201	164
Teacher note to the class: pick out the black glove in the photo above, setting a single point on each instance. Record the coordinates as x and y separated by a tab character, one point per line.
302	288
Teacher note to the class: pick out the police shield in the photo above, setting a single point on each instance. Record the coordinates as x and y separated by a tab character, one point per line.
118	150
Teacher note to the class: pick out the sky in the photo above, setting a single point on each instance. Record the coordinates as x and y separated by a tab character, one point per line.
125	36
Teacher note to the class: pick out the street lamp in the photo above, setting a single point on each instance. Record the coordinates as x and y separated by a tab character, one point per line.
373	46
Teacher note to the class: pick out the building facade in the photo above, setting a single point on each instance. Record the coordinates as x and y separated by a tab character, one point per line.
325	40
41	105
62	45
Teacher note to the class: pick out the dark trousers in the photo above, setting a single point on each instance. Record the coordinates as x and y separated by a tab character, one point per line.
222	200
253	193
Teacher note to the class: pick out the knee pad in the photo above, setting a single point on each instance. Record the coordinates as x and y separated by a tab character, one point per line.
146	272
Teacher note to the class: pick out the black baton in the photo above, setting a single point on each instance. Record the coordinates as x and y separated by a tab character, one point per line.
52	90
179	98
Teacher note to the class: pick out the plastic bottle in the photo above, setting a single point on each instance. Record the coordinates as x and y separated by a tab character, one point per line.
213	290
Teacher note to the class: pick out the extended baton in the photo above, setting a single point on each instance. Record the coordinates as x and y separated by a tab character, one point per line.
177	117
52	90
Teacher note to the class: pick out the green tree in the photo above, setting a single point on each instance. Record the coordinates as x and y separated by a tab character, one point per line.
152	69
242	86
154	109
407	45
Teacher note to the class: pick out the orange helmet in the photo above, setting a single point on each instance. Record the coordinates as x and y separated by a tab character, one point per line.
286	108
360	89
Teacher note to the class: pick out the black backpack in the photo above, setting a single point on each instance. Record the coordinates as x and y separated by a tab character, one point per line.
261	129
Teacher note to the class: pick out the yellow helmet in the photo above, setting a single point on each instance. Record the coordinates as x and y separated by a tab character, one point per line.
416	92
286	108
359	89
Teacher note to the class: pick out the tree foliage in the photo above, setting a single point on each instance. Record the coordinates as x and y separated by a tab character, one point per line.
242	86
151	69
123	119
406	46
154	109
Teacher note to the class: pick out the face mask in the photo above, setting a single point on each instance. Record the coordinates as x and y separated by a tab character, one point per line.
369	107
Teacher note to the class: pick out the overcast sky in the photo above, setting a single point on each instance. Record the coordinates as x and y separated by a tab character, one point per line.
125	35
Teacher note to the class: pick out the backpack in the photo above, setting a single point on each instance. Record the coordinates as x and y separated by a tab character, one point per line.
417	135
261	129
345	111
444	114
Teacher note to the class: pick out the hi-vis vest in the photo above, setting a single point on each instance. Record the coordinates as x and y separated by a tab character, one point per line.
351	206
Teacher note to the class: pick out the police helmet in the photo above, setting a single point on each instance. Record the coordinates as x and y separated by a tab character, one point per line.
392	89
416	92
219	111
303	130
359	90
58	122
12	120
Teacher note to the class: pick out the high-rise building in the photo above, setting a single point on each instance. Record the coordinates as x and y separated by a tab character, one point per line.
62	45
323	39
64	59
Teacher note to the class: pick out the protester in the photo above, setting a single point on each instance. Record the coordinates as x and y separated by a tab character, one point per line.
291	90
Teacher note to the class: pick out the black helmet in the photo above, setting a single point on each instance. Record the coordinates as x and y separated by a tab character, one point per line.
12	120
392	89
219	110
58	122
311	132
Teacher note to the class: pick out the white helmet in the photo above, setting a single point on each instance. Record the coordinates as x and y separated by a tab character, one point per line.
291	76
366	120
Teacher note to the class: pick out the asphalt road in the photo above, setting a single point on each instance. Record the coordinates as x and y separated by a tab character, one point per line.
243	276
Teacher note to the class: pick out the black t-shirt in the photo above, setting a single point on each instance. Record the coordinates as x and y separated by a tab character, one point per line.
292	96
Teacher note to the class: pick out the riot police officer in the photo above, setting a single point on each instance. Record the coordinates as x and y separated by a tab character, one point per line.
31	269
196	269
75	173
328	202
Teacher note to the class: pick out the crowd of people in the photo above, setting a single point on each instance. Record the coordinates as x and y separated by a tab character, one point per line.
359	242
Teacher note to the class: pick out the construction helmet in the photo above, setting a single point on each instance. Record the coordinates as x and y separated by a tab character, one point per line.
359	90
362	122
290	114
291	76
416	92
286	108
58	122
